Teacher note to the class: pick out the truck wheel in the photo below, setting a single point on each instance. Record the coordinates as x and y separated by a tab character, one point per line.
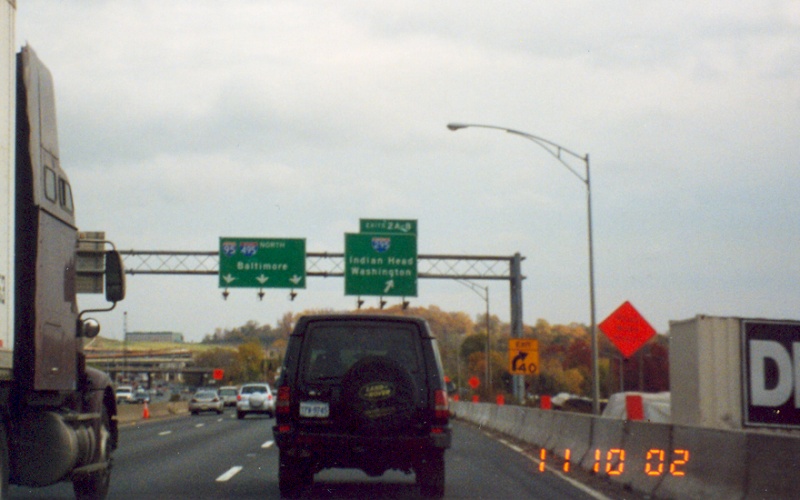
4	463
430	475
94	486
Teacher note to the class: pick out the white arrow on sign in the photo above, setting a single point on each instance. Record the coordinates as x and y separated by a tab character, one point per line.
228	278
262	279
296	279
389	286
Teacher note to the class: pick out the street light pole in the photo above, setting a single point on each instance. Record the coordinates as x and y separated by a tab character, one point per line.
485	296
556	151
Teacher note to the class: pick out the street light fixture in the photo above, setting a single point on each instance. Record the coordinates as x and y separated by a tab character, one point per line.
556	151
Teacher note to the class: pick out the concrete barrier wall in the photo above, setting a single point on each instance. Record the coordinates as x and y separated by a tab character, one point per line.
128	413
645	444
715	476
607	435
773	466
659	460
574	433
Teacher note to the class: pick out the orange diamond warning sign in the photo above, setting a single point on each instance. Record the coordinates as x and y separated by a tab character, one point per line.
627	329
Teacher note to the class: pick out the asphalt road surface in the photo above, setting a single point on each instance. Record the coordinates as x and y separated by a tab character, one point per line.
219	457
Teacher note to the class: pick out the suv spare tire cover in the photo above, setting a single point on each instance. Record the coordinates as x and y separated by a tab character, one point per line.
257	399
378	396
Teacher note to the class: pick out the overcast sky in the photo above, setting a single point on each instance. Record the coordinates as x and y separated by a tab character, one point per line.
184	121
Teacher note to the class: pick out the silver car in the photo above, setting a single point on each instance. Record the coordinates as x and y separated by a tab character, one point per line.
228	394
206	400
255	398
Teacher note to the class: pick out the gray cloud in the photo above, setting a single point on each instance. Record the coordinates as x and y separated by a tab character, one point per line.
186	121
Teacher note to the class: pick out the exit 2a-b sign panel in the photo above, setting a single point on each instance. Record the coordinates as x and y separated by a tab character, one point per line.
262	263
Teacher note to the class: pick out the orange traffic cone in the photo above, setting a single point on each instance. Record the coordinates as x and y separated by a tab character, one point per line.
146	411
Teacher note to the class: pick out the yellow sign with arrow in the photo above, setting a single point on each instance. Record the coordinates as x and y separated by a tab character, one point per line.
523	356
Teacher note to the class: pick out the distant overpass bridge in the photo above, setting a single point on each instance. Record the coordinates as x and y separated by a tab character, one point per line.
174	365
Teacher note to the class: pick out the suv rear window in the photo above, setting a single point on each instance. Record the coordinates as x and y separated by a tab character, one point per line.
331	349
250	389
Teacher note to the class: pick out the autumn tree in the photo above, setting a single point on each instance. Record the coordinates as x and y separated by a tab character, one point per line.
286	325
249	362
217	358
472	344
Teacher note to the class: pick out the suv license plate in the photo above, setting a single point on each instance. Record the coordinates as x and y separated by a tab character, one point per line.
314	409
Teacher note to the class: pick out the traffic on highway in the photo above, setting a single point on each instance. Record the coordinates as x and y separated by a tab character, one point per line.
235	127
212	457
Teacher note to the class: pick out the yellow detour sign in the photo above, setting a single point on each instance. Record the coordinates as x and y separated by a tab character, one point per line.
523	356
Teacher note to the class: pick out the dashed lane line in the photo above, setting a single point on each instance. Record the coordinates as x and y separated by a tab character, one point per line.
229	474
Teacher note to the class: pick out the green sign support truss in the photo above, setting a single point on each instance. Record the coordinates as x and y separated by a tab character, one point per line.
331	265
323	264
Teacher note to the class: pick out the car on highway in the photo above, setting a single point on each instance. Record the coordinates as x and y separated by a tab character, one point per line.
206	400
362	391
255	398
228	394
140	396
124	394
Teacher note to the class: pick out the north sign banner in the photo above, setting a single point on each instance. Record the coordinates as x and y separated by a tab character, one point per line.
380	264
262	263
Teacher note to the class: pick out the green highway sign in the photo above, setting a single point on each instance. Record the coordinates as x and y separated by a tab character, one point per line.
384	226
262	263
380	264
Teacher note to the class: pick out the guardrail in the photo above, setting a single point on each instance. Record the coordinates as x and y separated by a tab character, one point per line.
659	460
129	413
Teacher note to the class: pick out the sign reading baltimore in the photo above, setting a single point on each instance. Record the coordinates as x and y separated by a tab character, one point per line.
262	263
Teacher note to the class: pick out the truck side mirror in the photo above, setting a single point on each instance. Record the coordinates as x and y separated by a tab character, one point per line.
115	277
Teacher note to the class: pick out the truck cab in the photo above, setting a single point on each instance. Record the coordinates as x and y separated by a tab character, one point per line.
56	414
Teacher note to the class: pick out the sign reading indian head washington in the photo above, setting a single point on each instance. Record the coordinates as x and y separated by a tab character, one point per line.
380	264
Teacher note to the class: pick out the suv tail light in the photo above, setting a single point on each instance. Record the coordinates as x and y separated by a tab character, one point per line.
441	408
284	400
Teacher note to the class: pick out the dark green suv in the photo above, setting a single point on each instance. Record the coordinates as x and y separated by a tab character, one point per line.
365	392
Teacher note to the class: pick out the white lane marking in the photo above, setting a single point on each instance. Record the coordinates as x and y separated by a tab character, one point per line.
268	444
512	446
198	426
229	474
164	433
577	484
